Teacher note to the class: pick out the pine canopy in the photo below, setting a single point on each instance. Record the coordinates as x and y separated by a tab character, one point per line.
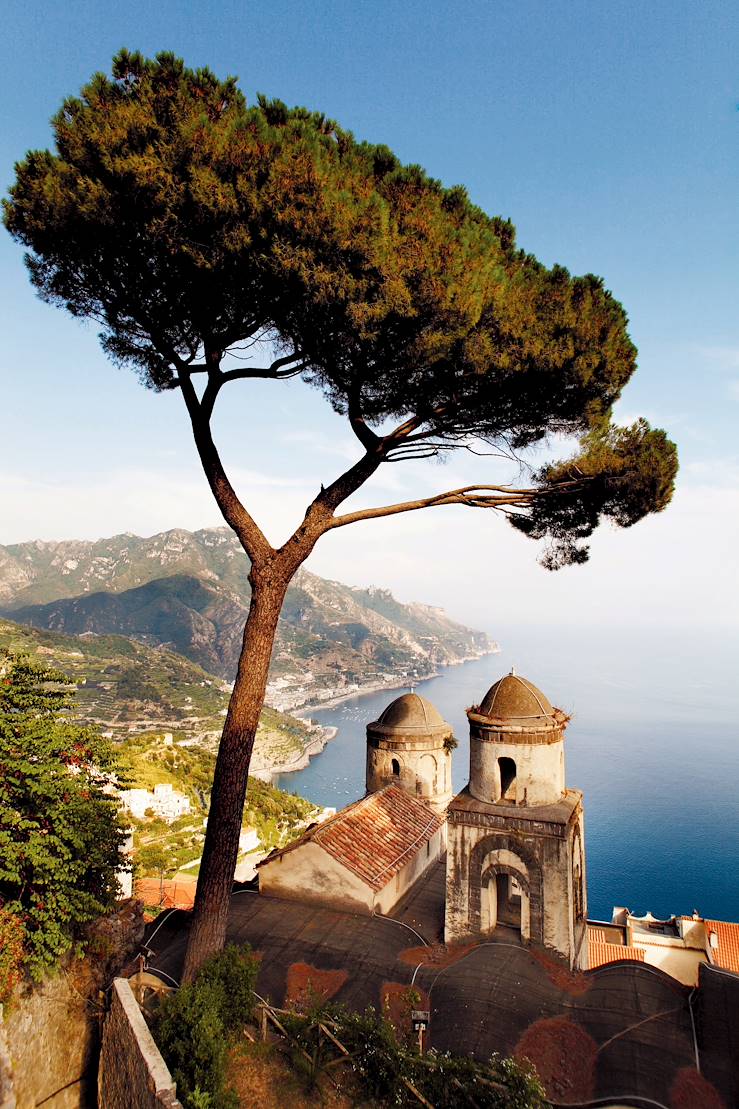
186	222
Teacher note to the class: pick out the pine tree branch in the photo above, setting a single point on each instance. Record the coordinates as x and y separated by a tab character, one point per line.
250	535
363	432
268	372
498	497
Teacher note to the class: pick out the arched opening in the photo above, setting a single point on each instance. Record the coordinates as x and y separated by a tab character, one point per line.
426	779
508	893
488	859
577	893
395	768
507	769
505	902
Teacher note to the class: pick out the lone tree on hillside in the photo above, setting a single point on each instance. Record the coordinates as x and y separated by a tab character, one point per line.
197	230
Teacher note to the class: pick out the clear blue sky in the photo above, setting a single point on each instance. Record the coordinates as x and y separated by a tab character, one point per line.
608	133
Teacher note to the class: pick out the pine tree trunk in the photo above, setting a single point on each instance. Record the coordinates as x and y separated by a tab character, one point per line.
220	850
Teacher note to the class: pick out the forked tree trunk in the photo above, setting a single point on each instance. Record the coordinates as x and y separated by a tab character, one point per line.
220	850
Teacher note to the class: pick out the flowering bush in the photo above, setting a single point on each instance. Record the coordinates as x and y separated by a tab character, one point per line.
12	953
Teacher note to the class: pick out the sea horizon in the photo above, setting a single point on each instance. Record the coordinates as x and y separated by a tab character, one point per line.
653	743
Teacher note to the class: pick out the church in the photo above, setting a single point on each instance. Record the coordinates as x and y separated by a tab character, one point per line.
512	839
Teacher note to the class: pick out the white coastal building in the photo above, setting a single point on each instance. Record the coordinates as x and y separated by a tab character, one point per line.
165	802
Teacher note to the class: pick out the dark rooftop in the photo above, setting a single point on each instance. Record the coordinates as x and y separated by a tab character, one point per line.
622	1032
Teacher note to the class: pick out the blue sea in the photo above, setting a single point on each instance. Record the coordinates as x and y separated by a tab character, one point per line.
653	744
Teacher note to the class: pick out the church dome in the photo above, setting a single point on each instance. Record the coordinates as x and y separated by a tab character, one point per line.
410	715
515	698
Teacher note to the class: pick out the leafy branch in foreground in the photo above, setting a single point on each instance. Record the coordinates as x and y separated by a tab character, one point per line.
60	838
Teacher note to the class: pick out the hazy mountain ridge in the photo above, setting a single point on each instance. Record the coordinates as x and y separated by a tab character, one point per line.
189	591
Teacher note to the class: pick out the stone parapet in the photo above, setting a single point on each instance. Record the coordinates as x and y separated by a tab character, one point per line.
132	1073
542	820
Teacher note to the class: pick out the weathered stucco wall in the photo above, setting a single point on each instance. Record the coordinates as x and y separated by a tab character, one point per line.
308	873
50	1031
424	768
539	760
682	963
132	1073
7	1088
429	851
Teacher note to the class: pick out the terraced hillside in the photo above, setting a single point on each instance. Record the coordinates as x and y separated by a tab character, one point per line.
129	689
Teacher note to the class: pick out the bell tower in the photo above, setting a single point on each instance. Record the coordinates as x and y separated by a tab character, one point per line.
410	746
515	854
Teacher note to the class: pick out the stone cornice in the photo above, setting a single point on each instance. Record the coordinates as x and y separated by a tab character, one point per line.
406	742
508	824
484	731
544	820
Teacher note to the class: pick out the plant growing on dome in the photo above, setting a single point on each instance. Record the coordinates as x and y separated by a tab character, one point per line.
192	228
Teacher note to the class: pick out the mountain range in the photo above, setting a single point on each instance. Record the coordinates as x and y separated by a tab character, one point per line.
189	592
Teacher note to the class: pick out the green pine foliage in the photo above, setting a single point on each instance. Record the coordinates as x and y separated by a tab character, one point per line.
60	838
185	222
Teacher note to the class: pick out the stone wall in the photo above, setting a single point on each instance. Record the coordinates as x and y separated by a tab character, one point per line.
537	846
50	1032
7	1086
132	1073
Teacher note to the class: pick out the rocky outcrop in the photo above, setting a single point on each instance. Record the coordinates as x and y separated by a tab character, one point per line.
50	1032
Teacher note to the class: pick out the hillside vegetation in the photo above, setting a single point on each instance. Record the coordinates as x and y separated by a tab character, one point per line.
128	689
146	762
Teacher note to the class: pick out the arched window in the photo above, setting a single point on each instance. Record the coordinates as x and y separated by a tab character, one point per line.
395	767
577	893
507	769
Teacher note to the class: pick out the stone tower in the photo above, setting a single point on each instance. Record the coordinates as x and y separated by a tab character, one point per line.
410	746
515	847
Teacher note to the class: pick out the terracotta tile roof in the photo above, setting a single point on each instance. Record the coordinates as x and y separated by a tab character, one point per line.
600	953
375	837
726	953
170	894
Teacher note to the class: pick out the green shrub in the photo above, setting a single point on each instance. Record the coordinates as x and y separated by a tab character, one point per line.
191	1036
383	1065
60	835
192	1027
233	974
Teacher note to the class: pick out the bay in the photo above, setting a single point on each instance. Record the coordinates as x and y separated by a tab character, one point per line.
653	743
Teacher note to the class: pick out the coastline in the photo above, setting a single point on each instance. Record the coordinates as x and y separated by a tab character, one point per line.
326	734
375	687
316	745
